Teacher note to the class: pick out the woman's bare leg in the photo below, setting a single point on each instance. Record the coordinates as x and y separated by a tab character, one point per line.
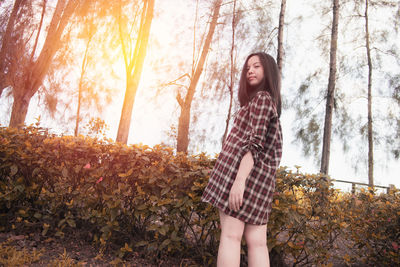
229	244
256	240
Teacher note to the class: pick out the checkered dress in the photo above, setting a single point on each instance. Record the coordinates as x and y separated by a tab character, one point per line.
256	128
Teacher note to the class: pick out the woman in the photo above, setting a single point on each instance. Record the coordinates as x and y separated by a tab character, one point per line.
242	182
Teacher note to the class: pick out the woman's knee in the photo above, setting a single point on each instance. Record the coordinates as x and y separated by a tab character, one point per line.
256	235
232	236
231	228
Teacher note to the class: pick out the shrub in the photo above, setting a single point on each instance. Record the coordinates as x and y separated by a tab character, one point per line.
375	228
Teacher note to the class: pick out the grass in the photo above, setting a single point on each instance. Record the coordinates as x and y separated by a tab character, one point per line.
11	256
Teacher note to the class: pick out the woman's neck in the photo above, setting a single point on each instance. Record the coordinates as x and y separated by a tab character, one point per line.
252	90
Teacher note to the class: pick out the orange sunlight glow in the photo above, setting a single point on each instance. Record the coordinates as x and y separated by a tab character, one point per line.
156	109
152	115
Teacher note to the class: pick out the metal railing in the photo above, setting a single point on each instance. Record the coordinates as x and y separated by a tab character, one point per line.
353	185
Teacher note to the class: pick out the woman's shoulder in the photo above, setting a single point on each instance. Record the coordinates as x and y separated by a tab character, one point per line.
263	100
261	96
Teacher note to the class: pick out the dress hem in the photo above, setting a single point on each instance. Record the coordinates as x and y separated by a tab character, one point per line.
223	209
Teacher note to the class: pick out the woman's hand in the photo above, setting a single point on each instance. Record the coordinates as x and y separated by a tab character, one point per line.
236	195
235	200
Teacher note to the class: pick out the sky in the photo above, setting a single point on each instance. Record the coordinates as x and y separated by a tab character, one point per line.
151	120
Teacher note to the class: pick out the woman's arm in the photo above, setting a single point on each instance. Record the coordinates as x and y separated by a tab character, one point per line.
246	164
261	111
237	189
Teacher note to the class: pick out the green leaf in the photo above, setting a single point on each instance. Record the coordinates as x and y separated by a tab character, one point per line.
125	174
114	213
152	227
165	190
152	179
61	222
64	172
141	243
165	243
20	188
174	237
59	234
44	232
77	168
13	169
163	229
71	223
35	171
105	229
142	207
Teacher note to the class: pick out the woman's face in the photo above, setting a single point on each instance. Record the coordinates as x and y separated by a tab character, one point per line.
255	71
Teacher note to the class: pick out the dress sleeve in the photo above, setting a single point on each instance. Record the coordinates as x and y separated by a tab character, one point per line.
261	111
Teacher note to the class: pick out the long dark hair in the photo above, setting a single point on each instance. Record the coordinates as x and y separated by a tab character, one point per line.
270	83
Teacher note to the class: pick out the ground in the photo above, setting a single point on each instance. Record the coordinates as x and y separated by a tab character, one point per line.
35	250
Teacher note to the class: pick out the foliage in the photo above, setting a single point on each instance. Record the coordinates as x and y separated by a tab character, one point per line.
65	260
375	227
137	199
96	128
304	225
10	256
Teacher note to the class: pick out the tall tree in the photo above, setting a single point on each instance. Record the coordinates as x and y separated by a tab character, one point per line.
134	59
308	101
89	36
371	42
5	45
370	132
279	59
331	91
28	76
185	104
230	87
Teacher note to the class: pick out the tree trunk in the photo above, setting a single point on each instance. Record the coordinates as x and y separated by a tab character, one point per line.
231	76
81	79
276	255
184	119
19	109
5	45
279	59
331	91
83	71
370	133
34	73
78	111
134	71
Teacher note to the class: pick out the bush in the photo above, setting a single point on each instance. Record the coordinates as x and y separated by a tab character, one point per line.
137	198
129	196
375	227
304	225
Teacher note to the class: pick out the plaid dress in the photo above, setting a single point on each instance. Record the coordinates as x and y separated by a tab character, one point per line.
256	128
